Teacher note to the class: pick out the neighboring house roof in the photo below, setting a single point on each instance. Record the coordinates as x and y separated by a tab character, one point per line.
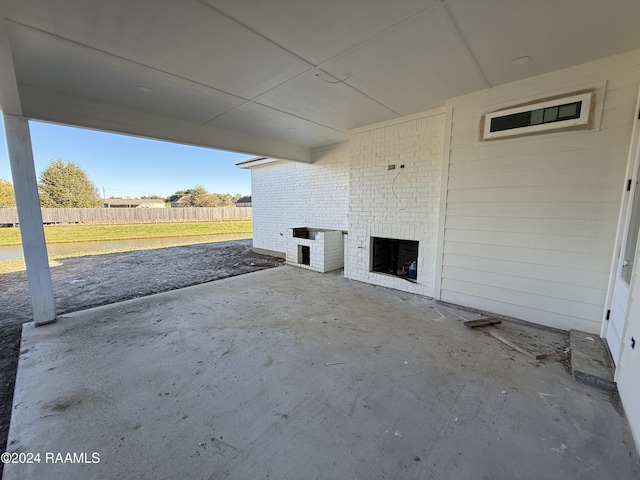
183	201
244	200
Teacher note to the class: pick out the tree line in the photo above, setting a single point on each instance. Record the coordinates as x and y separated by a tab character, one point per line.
199	197
65	185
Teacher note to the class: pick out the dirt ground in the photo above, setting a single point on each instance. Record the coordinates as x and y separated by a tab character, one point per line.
85	282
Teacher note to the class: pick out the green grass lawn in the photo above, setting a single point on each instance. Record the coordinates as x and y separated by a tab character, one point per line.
88	233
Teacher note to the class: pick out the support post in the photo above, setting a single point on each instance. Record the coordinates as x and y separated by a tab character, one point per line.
30	217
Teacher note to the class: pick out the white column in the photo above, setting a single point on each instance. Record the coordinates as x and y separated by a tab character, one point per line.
30	216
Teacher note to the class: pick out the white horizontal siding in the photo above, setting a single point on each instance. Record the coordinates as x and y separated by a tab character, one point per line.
601	174
539	256
556	226
538	241
472	149
586	210
526	299
528	285
510	268
530	222
513	308
538	193
535	162
618	117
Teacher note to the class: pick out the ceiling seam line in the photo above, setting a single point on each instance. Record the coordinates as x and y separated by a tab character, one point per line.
135	108
302	118
256	99
162	113
376	35
153	137
195	82
275	44
369	97
462	43
345	132
238	22
225	112
312	65
296	76
421	12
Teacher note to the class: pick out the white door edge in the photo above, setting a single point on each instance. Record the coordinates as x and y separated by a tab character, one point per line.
617	303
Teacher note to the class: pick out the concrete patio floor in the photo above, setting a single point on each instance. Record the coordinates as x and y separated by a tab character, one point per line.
291	374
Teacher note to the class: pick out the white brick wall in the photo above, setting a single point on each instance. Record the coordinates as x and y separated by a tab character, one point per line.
326	250
349	187
374	210
290	194
333	251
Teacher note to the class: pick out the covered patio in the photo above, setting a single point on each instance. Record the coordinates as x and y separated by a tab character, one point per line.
287	373
291	374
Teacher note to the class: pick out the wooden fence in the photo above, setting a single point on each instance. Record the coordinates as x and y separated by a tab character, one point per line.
9	216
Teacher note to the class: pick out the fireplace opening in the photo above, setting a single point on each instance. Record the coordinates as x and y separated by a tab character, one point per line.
395	257
304	254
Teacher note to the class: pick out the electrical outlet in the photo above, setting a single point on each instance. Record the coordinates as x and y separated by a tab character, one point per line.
391	167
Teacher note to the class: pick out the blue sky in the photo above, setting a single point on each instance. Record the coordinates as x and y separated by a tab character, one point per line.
131	167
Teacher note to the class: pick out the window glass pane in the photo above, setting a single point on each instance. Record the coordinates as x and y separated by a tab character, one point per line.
508	122
632	238
568	110
550	114
536	116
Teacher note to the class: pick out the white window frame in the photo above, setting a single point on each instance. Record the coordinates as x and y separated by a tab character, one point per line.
584	119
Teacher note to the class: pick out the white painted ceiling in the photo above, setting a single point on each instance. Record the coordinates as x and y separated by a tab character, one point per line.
287	75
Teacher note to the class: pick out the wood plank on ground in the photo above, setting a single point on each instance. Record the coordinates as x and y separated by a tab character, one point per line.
482	322
524	351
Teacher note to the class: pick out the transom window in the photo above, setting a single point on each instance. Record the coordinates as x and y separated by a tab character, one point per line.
571	112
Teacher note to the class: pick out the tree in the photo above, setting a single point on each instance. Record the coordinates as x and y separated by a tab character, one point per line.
65	185
7	197
199	197
176	196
